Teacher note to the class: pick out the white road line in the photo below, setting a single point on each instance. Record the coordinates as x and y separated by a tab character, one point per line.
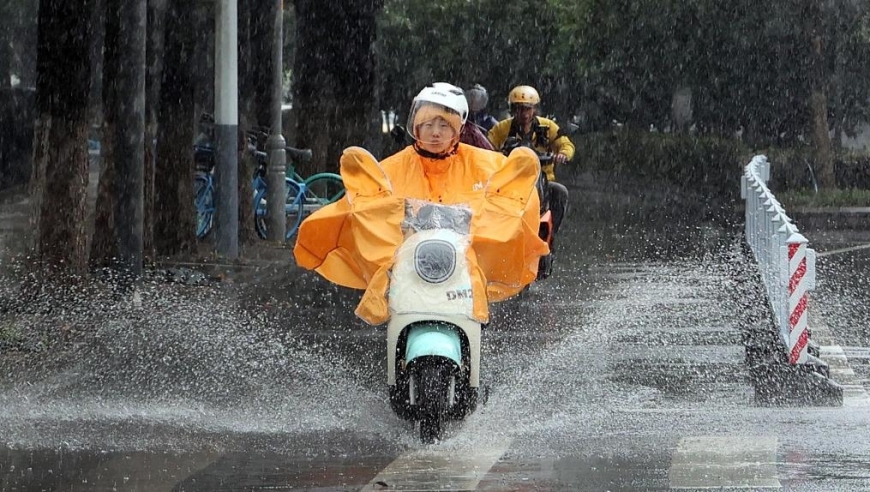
432	469
857	353
837	357
717	462
843	250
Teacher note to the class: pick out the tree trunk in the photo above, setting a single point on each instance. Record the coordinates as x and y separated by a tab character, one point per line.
5	54
98	40
60	140
202	62
262	32
247	119
130	138
334	79
156	11
174	216
823	154
103	246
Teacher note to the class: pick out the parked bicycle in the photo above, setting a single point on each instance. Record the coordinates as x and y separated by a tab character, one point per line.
304	196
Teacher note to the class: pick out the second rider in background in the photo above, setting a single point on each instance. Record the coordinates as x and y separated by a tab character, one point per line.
477	100
541	134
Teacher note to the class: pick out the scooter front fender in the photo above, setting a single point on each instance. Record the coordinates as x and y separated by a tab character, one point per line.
470	329
433	339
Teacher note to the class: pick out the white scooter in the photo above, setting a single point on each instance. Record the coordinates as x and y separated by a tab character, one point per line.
433	343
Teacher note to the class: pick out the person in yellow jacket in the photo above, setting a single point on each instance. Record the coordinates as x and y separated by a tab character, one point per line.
541	134
352	242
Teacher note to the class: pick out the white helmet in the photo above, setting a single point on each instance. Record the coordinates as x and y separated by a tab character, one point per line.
447	95
439	99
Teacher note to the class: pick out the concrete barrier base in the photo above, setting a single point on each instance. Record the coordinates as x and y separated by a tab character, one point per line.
778	384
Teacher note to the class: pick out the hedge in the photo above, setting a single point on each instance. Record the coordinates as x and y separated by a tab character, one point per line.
706	166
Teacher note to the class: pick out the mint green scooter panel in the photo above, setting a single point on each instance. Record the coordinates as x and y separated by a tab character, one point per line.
433	339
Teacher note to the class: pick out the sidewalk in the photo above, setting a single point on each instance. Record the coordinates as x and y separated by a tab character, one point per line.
259	256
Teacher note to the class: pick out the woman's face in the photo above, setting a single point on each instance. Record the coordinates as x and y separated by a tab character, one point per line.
435	135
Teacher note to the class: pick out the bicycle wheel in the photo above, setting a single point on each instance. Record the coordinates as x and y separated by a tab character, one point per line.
322	189
292	210
203	193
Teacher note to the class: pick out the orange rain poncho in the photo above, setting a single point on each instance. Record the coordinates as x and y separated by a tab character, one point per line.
352	242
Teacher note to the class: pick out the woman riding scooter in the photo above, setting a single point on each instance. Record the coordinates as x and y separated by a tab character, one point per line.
433	234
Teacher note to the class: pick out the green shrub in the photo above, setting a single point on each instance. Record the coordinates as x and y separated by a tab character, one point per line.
710	166
706	165
852	197
793	169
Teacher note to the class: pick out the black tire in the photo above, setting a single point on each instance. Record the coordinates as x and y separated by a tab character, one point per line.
545	267
433	385
466	400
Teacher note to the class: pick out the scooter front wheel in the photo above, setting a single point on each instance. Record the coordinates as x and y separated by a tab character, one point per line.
435	384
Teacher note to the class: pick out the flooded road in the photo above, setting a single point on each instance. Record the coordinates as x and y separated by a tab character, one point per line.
624	371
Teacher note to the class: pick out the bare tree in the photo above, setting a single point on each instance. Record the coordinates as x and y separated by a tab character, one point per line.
60	170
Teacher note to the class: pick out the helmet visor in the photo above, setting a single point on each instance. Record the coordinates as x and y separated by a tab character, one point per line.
434	126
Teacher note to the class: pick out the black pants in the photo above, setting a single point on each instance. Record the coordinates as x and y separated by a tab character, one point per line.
558	196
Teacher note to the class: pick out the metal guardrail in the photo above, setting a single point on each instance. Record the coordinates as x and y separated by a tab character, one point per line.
787	265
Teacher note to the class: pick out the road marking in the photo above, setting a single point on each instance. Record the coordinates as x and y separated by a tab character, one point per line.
842	250
432	469
857	353
837	357
716	462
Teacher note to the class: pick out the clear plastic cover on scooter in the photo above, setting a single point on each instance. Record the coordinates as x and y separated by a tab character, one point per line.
431	271
421	215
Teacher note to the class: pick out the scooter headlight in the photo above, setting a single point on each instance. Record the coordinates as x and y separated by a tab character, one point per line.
435	260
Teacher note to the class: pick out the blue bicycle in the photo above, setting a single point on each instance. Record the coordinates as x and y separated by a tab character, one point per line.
304	196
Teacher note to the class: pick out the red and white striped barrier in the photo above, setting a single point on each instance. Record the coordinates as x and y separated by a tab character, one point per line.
798	335
786	264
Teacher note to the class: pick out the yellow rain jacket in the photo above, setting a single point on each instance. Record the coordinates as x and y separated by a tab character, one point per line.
352	242
556	142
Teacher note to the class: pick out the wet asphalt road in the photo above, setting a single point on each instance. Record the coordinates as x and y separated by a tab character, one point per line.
622	372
